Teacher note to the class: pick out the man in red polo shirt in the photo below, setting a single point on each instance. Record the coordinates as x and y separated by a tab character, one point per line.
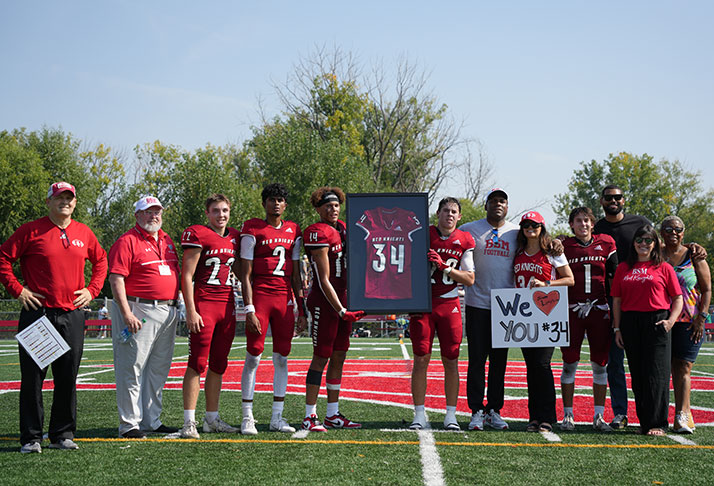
52	252
144	275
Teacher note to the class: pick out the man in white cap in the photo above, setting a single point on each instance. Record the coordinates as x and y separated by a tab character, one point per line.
144	276
52	253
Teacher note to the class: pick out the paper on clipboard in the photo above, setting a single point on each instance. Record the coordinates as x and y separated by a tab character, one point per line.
42	342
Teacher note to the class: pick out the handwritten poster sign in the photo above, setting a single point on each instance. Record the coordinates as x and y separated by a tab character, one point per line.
42	342
529	318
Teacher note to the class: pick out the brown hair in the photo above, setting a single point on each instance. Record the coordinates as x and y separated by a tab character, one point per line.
214	198
319	193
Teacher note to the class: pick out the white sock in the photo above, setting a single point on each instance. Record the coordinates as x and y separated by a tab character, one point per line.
247	409
280	374
599	409
332	408
278	409
211	416
247	381
310	410
568	410
419	409
189	415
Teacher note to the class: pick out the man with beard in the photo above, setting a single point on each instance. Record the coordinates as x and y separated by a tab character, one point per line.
144	276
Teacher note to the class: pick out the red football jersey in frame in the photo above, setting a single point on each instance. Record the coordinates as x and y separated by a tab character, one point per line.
389	251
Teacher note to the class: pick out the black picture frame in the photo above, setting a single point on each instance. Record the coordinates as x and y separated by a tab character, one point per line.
393	278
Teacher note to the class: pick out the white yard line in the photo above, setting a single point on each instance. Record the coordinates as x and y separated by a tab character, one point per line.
681	440
405	353
432	471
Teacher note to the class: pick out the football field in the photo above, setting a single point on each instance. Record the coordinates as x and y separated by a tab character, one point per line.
375	392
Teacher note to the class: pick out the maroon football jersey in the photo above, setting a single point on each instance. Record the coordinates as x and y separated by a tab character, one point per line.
273	252
451	250
526	267
321	235
213	279
389	252
588	266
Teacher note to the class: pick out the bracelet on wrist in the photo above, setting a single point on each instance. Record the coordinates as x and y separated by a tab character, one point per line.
616	329
342	312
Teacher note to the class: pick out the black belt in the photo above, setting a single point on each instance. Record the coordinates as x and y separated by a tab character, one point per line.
140	300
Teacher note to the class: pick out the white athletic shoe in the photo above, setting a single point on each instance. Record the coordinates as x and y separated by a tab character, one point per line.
681	423
476	421
568	422
494	420
64	444
281	425
600	425
247	426
31	447
450	423
419	422
220	426
189	430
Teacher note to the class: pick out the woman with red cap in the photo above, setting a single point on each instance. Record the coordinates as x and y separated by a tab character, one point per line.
536	266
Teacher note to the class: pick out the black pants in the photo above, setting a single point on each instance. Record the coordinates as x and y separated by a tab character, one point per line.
478	334
648	349
541	386
63	418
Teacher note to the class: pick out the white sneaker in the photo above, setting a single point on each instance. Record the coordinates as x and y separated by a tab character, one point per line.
450	423
220	426
64	444
419	422
681	423
31	447
247	426
568	422
600	425
494	420
189	430
476	421
281	425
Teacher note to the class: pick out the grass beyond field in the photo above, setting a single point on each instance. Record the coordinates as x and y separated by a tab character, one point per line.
375	391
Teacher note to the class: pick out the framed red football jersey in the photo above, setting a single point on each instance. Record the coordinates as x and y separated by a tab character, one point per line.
387	243
213	279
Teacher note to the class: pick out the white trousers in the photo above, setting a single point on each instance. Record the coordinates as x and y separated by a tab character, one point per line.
141	365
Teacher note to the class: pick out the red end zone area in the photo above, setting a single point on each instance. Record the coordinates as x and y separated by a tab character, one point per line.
388	382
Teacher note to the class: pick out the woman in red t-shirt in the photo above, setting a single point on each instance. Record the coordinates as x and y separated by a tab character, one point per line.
534	266
646	301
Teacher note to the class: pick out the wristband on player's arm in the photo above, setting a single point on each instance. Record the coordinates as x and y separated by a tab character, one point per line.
250	309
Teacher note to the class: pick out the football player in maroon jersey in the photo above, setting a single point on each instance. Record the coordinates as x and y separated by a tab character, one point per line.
593	260
207	285
270	277
451	256
331	321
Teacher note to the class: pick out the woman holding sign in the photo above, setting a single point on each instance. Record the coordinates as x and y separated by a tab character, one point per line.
646	302
535	267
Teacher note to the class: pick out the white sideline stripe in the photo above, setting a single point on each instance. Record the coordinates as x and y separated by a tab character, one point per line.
681	440
431	463
551	436
404	349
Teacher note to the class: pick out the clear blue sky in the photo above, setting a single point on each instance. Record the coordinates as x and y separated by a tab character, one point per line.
544	85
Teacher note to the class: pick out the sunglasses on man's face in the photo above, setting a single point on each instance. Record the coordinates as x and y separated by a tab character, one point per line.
530	224
610	197
648	241
670	230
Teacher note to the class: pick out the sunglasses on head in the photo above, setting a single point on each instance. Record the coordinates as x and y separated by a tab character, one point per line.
610	197
639	239
530	224
670	229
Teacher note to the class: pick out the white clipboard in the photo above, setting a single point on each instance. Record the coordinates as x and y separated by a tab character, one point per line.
42	342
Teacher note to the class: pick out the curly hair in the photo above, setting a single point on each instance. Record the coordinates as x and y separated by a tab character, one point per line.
275	190
316	197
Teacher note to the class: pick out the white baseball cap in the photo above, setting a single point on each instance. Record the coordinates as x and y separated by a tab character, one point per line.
145	203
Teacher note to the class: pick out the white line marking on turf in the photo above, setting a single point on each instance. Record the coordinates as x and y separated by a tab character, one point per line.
551	436
681	440
430	461
404	349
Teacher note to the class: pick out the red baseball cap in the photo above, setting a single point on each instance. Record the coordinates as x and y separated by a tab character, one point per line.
60	187
534	216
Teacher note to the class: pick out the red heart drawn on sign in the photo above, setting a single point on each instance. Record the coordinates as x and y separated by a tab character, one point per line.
546	302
